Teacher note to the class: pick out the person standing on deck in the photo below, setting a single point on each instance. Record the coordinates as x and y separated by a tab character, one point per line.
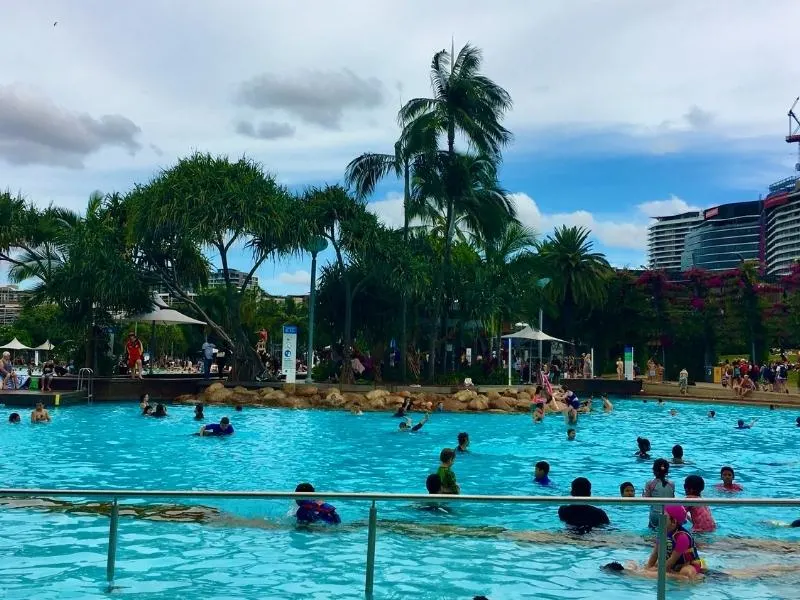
208	358
135	352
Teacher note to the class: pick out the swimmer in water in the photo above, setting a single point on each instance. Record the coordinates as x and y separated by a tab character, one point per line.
198	412
406	424
644	448
538	413
314	510
728	485
712	414
607	406
40	414
626	490
463	442
14	418
700	516
677	455
683	559
570	435
740	424
224	427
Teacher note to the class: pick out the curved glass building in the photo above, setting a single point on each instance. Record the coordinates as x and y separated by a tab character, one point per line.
727	235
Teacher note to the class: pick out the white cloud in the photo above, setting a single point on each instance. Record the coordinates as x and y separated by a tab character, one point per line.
298	278
389	210
625	74
609	230
663	208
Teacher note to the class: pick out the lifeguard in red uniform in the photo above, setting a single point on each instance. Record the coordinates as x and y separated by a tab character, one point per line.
135	351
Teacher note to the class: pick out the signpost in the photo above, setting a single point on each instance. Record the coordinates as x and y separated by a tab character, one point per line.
289	354
629	363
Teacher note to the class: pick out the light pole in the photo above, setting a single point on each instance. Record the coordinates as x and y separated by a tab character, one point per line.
315	246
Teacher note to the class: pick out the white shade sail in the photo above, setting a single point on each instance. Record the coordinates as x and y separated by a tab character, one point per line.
529	333
15	344
166	316
45	346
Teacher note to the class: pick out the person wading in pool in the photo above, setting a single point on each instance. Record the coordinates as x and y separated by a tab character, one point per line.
224	427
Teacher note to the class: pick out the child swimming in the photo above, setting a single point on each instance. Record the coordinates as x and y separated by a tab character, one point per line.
700	516
677	455
683	559
626	490
644	448
658	487
728	475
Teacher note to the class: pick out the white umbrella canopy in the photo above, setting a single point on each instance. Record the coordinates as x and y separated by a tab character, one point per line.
15	344
47	346
166	316
529	333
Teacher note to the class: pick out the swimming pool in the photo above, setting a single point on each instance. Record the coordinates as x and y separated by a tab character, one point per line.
57	554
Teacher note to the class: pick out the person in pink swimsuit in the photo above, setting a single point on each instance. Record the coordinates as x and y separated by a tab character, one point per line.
700	516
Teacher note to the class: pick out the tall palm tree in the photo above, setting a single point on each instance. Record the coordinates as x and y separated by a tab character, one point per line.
363	174
463	190
578	276
465	103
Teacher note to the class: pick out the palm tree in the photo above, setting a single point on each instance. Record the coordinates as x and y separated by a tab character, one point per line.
578	276
363	174
468	103
463	190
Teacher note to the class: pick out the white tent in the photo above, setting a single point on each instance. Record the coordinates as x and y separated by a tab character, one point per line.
163	315
15	344
45	347
530	334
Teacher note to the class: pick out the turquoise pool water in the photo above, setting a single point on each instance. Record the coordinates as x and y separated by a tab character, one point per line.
251	550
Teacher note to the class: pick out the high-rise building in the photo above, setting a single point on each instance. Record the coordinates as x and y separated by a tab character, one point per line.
216	279
11	300
666	238
781	242
728	235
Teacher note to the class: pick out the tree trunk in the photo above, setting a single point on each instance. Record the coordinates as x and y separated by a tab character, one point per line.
346	376
404	316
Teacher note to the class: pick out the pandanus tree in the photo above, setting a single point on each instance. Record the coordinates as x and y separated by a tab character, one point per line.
468	105
578	276
85	269
211	204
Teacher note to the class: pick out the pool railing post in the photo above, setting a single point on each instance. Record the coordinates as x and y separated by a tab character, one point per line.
373	528
662	555
112	543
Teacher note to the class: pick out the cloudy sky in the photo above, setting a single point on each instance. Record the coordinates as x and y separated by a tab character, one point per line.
623	109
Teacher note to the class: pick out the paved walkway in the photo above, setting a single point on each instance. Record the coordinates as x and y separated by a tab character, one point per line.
714	392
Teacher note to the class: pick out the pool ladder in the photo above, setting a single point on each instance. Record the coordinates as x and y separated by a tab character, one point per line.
86	375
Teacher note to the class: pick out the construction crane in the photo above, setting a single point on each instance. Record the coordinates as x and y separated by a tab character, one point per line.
794	132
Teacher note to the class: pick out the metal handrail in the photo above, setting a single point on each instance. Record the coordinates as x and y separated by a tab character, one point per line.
115	495
86	374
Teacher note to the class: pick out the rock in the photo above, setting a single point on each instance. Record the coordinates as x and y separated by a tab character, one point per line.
219	396
531	391
492	395
465	395
394	401
359	399
275	395
289	388
306	390
478	404
375	394
501	404
215	386
186	399
524	396
404	394
375	403
335	396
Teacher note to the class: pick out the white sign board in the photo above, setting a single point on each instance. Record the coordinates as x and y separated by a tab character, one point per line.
289	354
629	363
469	356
